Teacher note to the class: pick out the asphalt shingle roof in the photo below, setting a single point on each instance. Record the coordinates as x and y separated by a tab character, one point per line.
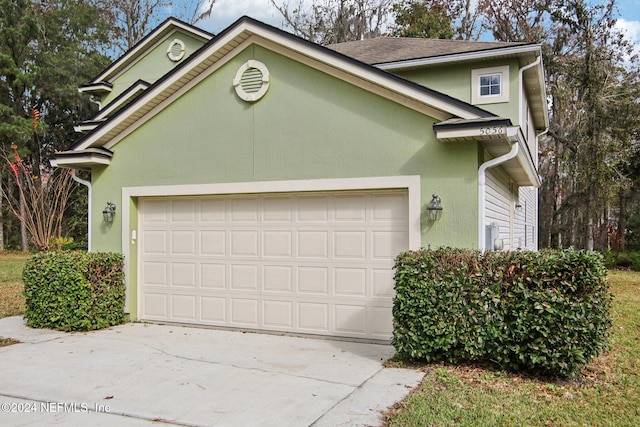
382	50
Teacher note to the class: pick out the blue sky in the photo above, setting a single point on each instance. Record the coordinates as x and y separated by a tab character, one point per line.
226	12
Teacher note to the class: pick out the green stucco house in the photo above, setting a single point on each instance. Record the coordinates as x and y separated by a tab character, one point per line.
259	181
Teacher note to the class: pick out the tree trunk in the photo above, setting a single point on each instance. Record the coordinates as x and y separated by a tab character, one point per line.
622	222
23	228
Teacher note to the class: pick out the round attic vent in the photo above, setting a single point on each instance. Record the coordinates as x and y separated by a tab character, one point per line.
251	81
175	51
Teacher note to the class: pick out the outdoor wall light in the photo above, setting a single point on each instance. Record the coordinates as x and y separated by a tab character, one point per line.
109	212
434	208
518	207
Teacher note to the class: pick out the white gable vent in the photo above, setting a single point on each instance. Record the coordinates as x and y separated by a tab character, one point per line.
175	51
251	81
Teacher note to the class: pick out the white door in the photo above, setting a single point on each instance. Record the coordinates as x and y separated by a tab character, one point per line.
312	263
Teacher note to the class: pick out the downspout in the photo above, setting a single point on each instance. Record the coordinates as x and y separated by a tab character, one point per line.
521	84
482	184
482	179
93	99
88	185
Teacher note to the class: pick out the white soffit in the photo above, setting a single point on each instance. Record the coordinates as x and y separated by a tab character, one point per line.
223	49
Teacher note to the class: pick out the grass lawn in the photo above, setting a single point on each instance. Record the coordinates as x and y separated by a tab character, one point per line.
607	393
11	286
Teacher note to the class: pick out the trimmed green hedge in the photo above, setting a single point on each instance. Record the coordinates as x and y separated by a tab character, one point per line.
626	260
543	311
74	291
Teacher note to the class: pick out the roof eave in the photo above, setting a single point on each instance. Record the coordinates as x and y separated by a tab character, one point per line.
96	88
82	159
497	140
150	39
245	28
534	49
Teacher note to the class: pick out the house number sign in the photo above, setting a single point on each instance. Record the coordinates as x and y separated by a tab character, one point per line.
493	130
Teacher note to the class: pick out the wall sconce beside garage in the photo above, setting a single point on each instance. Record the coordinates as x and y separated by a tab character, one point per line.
109	212
434	208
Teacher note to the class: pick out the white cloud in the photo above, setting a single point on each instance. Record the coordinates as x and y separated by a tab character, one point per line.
226	12
630	28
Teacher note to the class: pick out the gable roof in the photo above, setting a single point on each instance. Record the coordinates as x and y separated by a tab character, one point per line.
398	53
234	39
382	50
130	57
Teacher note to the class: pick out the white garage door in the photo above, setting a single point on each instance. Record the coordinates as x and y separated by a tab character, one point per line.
312	263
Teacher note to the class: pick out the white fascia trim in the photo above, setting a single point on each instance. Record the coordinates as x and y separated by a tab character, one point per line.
133	91
96	86
151	41
345	66
462	57
81	128
363	73
84	160
409	182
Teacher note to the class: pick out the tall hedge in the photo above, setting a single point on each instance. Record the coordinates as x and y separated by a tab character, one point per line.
74	291
536	311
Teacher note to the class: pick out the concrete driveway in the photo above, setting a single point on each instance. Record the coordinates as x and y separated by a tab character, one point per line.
138	375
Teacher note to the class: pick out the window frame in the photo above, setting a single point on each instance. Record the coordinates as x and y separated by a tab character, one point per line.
480	73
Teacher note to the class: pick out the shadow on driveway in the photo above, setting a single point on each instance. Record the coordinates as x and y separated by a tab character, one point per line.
140	374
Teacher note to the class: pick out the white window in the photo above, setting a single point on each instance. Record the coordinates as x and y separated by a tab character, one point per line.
490	85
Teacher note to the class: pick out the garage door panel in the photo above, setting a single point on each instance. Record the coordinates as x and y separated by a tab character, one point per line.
213	276
388	244
183	274
277	244
382	283
243	210
277	210
183	211
155	242
313	244
155	305
350	209
213	310
350	244
277	278
155	211
313	280
213	242
278	315
213	211
350	319
244	277
317	263
183	308
155	273
244	243
313	317
244	311
350	281
313	209
389	208
381	322
183	242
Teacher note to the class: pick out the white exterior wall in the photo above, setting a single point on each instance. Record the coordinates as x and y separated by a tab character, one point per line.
497	206
527	220
517	228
